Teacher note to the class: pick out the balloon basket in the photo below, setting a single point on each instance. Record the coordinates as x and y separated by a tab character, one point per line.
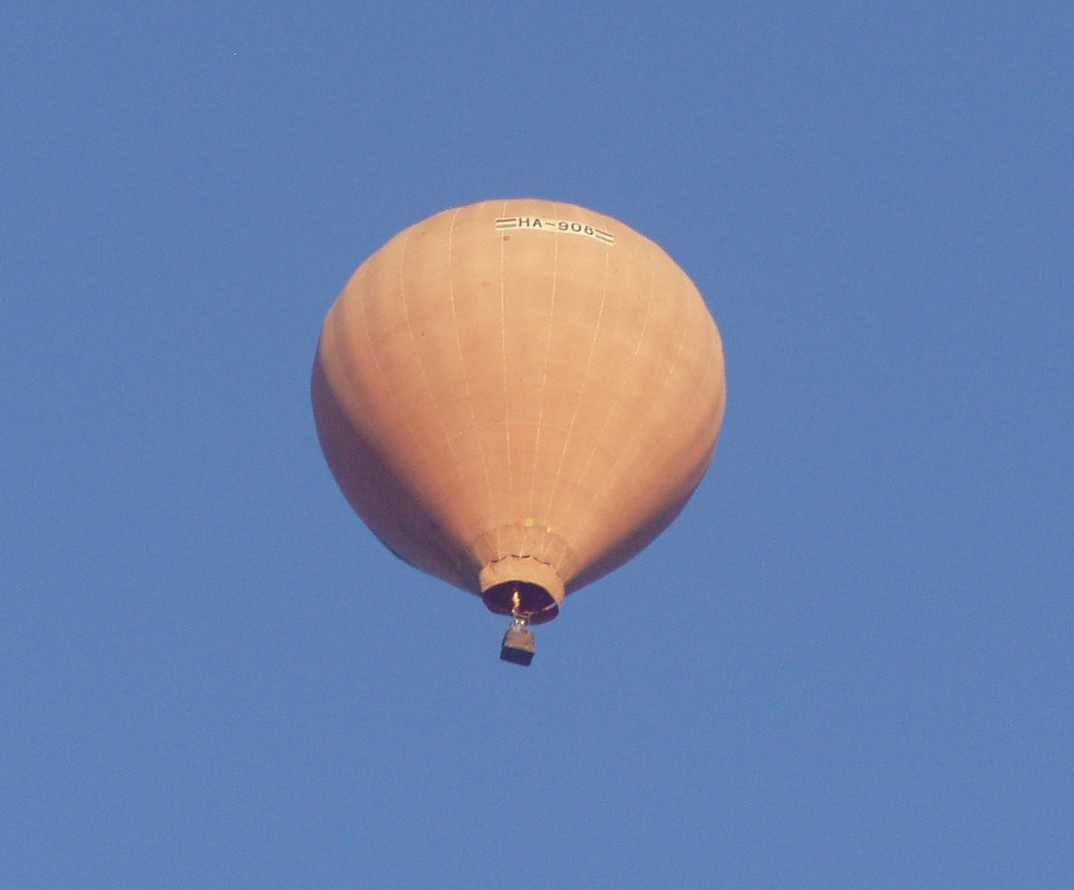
519	644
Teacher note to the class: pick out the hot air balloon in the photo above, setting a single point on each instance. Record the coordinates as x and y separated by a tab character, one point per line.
517	397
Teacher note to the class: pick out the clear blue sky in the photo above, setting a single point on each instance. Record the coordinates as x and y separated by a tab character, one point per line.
848	664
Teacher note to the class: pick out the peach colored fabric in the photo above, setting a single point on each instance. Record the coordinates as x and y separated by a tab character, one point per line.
519	379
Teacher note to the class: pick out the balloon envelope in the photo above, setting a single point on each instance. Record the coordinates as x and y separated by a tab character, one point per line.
517	396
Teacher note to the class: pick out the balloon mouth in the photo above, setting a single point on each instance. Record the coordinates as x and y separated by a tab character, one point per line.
521	598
